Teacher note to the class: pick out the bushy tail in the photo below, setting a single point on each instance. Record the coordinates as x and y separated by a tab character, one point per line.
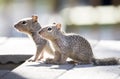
106	61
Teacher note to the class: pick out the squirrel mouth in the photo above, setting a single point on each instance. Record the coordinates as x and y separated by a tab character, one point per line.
40	33
18	29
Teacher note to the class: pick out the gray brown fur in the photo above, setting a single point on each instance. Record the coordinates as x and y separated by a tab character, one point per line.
73	46
31	28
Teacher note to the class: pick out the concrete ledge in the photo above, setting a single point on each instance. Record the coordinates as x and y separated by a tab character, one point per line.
47	71
107	48
92	72
16	49
3	72
39	70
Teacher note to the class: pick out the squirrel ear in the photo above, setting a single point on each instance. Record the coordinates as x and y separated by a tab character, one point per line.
35	18
58	26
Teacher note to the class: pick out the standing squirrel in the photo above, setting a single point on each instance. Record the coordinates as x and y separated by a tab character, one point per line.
31	27
73	46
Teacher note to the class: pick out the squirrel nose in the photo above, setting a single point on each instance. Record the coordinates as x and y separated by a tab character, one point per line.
15	25
39	32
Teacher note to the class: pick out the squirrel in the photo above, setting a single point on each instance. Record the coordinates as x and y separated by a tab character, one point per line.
73	46
31	27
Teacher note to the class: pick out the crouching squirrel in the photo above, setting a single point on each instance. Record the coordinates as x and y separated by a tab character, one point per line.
73	46
31	27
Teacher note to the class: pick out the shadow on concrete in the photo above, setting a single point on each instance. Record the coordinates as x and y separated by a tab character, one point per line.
115	69
85	66
53	66
93	66
12	75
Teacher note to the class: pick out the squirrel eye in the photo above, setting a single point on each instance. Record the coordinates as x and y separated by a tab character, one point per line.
54	23
49	29
24	22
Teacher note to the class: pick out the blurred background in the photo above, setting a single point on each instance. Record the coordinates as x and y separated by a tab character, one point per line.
93	19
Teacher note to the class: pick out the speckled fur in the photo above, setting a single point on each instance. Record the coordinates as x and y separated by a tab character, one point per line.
73	46
31	28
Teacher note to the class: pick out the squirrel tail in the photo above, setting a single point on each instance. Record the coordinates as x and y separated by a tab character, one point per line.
106	61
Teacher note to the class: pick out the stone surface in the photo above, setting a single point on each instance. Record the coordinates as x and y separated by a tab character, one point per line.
106	48
17	46
16	49
40	70
92	72
3	72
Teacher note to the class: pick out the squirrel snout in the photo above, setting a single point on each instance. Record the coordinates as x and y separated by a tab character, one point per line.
39	32
15	25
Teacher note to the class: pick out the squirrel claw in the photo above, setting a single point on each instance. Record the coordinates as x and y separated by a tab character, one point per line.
30	60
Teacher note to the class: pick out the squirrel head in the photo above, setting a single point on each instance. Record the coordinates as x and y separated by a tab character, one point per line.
51	32
28	25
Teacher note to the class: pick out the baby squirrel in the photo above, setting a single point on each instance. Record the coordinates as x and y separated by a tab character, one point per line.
31	27
73	46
